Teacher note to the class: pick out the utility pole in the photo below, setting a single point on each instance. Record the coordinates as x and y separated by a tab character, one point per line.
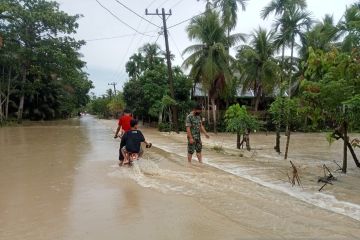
168	60
113	84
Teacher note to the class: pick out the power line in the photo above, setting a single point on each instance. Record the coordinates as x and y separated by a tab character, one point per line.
163	3
120	36
184	21
176	4
108	38
152	2
136	13
157	37
121	20
123	70
131	43
176	46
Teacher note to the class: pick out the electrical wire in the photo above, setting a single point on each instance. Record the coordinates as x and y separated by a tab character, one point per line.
109	38
157	37
163	3
173	40
136	13
176	4
122	62
122	20
184	21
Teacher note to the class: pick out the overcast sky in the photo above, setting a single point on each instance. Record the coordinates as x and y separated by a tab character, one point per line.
106	58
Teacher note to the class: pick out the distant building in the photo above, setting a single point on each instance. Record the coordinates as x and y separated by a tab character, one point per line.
243	97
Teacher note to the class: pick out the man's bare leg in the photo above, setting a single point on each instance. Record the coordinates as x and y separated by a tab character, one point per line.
126	157
189	158
199	156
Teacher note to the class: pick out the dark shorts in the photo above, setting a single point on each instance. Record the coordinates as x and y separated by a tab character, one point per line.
196	146
122	144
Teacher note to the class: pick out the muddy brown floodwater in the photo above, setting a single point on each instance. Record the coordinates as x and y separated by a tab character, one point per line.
60	180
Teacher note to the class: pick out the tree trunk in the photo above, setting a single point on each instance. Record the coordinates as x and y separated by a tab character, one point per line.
291	63
257	101
338	135
277	143
256	91
238	140
346	140
8	96
208	109
287	143
213	105
1	104
160	120
353	154
290	78
248	141
218	109
22	97
278	127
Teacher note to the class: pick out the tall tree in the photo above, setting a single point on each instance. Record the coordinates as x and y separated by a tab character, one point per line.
259	67
279	7
229	11
323	36
146	93
292	24
209	59
48	57
350	27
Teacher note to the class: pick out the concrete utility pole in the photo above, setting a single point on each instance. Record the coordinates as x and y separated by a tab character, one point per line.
113	84
168	60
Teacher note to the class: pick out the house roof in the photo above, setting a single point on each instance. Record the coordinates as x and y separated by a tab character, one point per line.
249	93
200	92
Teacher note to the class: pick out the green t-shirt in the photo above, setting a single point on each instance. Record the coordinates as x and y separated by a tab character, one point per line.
194	122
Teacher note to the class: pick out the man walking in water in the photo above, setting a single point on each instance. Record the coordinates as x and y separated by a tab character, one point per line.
193	128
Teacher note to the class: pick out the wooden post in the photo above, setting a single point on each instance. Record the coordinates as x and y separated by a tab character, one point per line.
345	147
238	140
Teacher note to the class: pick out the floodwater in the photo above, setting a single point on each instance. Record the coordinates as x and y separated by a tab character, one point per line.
60	180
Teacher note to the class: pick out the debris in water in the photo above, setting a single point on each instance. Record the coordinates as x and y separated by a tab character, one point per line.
327	178
295	176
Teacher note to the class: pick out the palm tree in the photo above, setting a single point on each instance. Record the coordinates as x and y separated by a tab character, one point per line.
323	36
259	67
152	53
350	27
229	9
292	24
279	7
209	59
135	66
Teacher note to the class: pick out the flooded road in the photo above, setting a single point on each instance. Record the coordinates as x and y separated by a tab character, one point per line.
60	180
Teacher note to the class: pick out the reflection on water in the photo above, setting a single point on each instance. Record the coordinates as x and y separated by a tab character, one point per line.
37	166
60	180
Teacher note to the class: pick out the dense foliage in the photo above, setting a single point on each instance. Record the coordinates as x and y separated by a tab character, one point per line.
147	94
41	73
107	105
